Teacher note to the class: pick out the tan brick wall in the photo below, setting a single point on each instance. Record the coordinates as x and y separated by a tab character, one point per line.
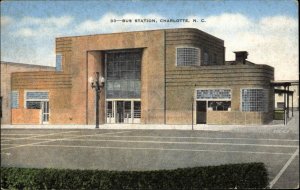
7	68
181	82
58	84
86	59
234	118
26	116
166	90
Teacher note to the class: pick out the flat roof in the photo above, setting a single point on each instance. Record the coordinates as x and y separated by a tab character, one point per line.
279	91
166	29
280	83
24	64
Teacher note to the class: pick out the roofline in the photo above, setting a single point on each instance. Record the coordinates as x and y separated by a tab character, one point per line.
278	91
24	64
277	83
166	29
256	64
291	81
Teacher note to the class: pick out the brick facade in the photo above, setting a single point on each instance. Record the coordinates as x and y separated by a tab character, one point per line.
167	91
7	68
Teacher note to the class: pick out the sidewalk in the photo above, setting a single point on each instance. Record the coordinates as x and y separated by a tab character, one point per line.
291	127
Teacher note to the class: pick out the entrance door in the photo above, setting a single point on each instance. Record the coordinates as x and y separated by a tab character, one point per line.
45	112
127	112
123	111
201	112
120	112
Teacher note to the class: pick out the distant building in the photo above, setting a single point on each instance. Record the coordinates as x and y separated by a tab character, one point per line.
172	76
7	68
279	97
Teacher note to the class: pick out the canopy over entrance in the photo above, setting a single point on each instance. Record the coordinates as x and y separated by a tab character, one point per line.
284	88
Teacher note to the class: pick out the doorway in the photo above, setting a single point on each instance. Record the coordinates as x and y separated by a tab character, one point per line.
45	112
120	111
201	112
123	111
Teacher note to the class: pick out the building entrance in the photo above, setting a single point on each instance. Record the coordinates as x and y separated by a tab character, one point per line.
120	112
201	112
123	114
45	112
123	86
123	111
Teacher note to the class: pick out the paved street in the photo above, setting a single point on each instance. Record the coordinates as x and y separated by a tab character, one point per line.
151	150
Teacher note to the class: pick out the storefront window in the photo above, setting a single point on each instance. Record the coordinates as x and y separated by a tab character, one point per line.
219	105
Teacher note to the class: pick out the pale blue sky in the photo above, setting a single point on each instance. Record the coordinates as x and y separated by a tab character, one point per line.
82	10
29	28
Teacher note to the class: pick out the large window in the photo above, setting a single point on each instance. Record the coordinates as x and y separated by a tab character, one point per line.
58	66
254	100
188	56
33	99
15	99
123	74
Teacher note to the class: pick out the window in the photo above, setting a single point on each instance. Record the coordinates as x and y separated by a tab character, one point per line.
214	59
123	74
36	95
208	94
58	62
127	109
33	104
33	99
15	99
109	109
219	105
280	105
217	99
137	109
206	58
254	100
188	56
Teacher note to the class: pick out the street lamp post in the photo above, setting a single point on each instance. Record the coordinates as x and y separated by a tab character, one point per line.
192	112
97	83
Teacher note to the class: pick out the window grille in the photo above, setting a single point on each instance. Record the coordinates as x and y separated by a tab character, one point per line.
15	99
254	100
109	109
127	109
188	56
58	62
123	74
137	109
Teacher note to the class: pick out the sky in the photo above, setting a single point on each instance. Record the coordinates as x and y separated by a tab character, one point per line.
267	29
